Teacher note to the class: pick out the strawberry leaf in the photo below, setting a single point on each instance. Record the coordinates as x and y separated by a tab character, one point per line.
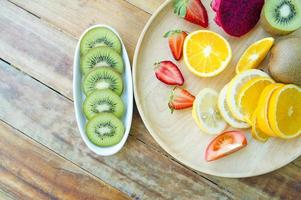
170	33
180	7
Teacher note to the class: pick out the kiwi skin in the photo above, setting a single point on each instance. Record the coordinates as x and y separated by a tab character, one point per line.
296	33
285	63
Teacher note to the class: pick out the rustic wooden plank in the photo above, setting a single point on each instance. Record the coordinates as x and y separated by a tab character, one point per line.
46	55
5	195
140	133
73	17
146	5
298	162
29	170
53	57
137	170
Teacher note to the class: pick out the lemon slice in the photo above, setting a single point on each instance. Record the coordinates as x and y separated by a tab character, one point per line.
226	113
284	112
234	87
249	95
257	133
254	54
206	53
206	114
262	108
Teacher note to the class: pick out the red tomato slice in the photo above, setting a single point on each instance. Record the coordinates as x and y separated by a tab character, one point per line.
225	144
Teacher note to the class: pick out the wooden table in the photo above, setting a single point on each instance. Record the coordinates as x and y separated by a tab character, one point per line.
42	155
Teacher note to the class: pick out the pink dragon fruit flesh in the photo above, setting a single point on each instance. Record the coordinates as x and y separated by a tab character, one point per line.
237	17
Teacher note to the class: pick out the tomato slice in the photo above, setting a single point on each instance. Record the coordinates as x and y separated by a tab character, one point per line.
225	144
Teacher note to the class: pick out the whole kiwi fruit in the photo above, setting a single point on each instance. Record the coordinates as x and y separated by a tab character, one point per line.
285	61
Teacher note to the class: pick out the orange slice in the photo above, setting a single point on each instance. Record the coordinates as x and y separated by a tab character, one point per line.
249	94
285	111
206	53
225	111
257	133
234	87
262	108
254	54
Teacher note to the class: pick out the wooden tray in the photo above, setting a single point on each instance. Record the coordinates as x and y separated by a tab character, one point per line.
177	133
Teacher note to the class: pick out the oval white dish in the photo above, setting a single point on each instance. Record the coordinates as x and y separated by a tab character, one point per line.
79	97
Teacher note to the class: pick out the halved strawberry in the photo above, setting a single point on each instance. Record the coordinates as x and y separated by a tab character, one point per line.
192	11
176	40
180	99
169	73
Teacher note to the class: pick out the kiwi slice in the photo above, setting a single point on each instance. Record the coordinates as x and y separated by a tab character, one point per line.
100	36
105	129
101	57
281	17
102	78
103	101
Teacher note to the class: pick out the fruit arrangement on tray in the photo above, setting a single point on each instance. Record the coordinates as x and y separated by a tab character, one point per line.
102	68
267	101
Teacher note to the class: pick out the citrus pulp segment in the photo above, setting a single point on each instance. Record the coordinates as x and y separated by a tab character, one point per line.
235	85
206	53
206	114
226	113
249	94
254	54
285	111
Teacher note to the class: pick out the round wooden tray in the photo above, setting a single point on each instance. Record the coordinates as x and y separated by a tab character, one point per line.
177	133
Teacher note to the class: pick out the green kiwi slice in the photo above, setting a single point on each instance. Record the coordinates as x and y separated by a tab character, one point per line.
103	101
102	78
100	36
105	129
101	57
282	16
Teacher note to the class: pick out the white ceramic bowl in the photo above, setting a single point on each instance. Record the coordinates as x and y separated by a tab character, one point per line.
79	97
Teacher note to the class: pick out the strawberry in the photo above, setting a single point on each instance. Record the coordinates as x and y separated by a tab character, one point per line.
176	40
192	11
169	73
180	99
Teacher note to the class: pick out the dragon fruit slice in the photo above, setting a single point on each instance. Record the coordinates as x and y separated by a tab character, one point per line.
237	17
215	5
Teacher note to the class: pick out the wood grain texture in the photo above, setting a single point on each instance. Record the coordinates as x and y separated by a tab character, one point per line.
136	170
48	60
33	30
30	171
148	6
73	17
188	180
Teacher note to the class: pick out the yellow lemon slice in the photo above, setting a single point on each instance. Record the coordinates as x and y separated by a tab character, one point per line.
254	54
206	53
234	87
249	94
226	113
284	112
205	112
262	108
257	133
